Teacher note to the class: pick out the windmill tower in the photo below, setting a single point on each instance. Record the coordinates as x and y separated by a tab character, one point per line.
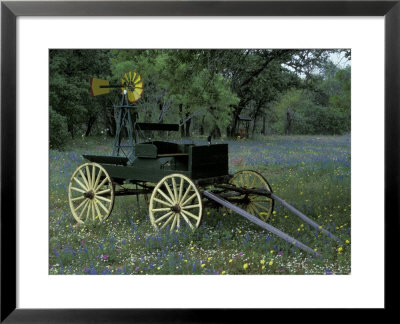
131	91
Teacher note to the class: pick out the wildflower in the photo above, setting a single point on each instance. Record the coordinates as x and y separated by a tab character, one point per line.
280	253
271	263
272	251
240	253
315	249
230	260
340	249
262	261
158	268
274	212
105	256
263	267
245	266
347	241
192	248
223	272
203	265
209	258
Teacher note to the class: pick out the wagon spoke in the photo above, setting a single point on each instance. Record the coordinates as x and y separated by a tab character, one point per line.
100	185
84	208
163	202
165	196
175	189
103	192
89	178
80	205
189	214
93	212
93	175
97	210
101	205
190	206
167	222
77	198
189	199
261	206
104	199
174	222
79	190
88	210
187	220
163	217
160	209
97	178
169	191
84	180
180	190
81	184
186	192
178	220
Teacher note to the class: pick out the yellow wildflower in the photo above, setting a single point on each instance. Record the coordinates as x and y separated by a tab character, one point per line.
347	241
230	260
262	261
223	272
203	265
271	263
245	266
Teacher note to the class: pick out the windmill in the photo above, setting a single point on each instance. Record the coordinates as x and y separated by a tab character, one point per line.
131	91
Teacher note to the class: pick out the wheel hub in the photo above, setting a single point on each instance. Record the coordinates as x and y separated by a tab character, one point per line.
176	208
89	194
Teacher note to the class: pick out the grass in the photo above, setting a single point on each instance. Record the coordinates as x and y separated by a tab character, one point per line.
310	172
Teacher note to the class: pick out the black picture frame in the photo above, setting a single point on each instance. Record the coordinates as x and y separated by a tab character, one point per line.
10	10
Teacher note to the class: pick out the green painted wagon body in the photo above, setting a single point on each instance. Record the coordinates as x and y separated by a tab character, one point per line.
157	159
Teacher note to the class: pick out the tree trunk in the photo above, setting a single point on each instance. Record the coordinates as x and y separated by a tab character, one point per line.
187	126
263	128
202	126
182	127
89	125
288	121
71	128
216	132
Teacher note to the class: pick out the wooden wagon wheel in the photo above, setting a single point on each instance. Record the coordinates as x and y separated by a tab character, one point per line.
175	201
91	193
256	205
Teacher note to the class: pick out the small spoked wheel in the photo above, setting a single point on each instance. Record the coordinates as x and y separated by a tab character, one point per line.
260	206
175	202
91	193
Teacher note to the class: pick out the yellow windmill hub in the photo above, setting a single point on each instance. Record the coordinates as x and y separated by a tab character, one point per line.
133	84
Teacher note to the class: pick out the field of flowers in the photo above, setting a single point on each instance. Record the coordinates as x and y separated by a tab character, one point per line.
311	173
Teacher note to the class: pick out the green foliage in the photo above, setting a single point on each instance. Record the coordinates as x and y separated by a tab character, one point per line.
206	90
58	130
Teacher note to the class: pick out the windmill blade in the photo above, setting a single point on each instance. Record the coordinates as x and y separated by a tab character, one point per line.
99	86
133	84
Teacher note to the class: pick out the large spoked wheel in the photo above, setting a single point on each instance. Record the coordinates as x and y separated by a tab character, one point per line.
175	202
256	205
91	193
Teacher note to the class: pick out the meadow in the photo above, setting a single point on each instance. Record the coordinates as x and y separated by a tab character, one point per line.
310	172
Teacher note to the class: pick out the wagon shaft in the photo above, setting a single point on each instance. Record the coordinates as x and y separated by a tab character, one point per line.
260	223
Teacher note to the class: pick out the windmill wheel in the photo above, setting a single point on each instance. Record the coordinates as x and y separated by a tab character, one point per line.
175	201
133	84
256	205
90	193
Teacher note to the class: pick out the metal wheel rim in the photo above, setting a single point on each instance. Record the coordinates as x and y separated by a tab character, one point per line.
175	201
91	193
259	206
